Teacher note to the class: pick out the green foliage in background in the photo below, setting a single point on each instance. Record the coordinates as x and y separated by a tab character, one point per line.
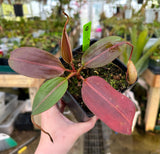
141	54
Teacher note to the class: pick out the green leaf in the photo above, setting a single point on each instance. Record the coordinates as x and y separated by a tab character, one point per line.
134	39
102	52
141	62
125	56
49	94
141	42
133	33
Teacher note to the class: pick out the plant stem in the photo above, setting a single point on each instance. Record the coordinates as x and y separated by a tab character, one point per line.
73	68
121	43
131	50
71	74
79	70
68	70
81	77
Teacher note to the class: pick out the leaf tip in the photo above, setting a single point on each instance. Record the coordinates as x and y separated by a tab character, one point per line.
66	20
66	51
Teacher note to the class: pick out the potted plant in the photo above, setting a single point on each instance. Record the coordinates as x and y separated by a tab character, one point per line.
154	62
109	105
116	77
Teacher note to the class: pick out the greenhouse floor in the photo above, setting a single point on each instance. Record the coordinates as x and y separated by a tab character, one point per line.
137	143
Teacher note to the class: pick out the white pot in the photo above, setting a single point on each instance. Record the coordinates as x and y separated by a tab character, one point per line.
149	16
128	13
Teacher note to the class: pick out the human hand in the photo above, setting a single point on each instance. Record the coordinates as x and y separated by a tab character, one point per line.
63	131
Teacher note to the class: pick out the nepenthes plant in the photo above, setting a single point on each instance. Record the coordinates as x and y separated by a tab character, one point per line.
112	107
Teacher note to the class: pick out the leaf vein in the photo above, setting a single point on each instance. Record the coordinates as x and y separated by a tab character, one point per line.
48	95
36	63
100	94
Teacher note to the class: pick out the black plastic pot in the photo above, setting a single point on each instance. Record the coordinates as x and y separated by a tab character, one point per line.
154	65
5	68
18	10
140	1
118	9
80	114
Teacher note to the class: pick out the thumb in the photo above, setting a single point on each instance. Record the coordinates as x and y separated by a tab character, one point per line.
84	127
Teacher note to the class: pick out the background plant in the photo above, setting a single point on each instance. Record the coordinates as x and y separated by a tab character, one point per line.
141	53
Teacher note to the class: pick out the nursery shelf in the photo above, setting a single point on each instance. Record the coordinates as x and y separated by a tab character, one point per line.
16	80
153	81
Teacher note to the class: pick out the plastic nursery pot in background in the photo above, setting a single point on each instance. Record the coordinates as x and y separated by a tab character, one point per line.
81	112
18	10
140	1
5	68
154	64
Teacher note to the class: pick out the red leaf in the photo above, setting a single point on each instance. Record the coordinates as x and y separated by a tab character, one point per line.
114	109
66	51
35	63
